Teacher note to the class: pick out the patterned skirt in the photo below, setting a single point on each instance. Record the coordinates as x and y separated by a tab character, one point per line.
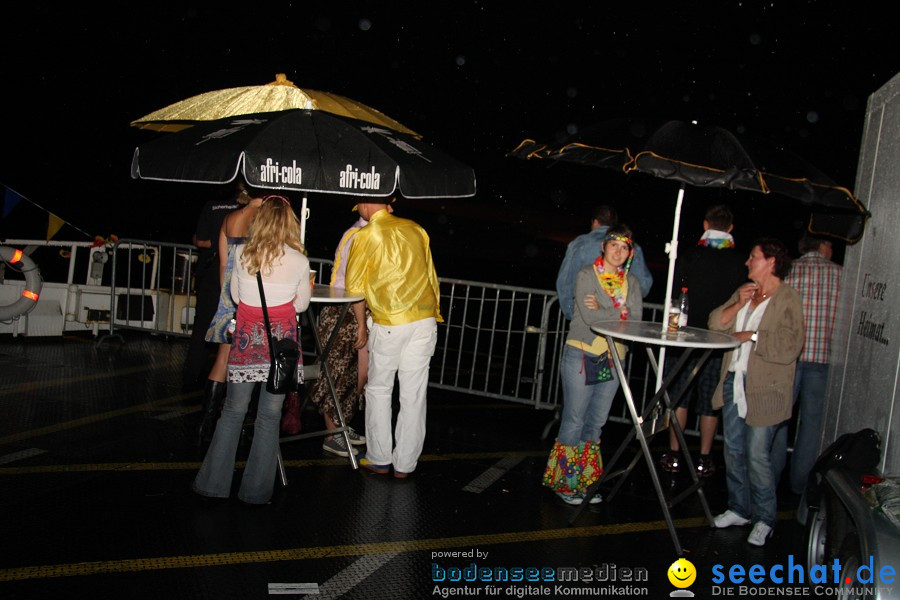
218	329
249	359
573	469
343	366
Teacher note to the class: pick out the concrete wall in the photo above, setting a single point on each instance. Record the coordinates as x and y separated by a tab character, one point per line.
866	354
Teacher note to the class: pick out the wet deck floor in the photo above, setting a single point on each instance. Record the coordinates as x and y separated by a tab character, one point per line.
96	461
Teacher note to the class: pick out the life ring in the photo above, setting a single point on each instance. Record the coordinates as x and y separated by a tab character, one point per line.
33	282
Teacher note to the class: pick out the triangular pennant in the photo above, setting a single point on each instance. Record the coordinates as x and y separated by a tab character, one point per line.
10	199
54	224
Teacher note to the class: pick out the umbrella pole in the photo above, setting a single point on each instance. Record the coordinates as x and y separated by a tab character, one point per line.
672	251
304	215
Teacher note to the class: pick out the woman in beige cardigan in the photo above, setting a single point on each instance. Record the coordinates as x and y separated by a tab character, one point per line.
755	390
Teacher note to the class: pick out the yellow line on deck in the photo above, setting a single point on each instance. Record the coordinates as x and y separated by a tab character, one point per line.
319	552
144	406
290	554
35	385
313	462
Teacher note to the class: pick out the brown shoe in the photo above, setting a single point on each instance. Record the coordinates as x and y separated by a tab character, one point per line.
400	475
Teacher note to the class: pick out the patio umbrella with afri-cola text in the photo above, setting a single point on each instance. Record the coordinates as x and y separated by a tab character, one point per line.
304	151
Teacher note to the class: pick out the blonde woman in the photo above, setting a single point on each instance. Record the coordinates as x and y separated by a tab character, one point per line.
273	248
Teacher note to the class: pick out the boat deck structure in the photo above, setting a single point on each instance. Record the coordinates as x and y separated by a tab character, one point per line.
98	451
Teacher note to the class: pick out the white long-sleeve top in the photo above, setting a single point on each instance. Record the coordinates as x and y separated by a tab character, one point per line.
288	281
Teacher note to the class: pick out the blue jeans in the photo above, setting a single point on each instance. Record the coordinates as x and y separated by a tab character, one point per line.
258	481
748	465
810	382
585	407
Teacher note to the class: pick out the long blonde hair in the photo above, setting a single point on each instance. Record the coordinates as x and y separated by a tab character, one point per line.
274	227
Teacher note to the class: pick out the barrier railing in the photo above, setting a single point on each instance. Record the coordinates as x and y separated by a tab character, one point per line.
505	342
496	341
152	287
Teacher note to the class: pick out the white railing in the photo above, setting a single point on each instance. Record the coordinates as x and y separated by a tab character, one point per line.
496	341
505	342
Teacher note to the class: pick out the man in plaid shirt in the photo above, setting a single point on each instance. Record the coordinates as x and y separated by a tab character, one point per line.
818	280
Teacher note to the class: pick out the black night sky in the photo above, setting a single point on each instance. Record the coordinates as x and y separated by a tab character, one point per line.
474	78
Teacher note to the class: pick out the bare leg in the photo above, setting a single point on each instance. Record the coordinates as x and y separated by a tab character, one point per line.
680	414
220	366
708	426
329	424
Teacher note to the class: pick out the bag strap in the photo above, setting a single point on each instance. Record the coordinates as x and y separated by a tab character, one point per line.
262	297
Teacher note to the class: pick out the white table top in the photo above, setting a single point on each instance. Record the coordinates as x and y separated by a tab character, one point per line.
650	332
332	295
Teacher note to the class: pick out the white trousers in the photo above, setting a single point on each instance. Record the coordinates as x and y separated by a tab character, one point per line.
404	351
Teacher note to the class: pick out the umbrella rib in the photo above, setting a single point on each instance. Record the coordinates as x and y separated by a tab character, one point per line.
857	203
624	151
539	152
632	166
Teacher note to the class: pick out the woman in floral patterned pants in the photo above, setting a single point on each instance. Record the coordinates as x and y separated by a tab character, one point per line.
604	290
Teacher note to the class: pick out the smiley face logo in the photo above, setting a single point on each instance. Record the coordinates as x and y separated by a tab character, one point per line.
682	573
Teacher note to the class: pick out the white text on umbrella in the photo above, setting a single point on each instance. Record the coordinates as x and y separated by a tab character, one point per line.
351	178
271	172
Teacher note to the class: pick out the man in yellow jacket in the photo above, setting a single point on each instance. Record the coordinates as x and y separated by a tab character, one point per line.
390	264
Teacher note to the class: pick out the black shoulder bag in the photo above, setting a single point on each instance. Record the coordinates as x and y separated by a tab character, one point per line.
284	352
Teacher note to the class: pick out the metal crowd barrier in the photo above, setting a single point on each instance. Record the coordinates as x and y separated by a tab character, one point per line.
505	342
497	341
152	287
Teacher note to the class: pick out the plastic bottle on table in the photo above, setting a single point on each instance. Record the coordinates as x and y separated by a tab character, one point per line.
683	309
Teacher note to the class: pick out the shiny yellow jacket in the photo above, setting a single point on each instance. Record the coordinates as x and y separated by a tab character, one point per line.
390	264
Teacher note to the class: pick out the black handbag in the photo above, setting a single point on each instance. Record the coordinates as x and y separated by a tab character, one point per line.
284	353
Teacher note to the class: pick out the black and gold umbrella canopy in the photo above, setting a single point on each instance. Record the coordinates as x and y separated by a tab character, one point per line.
278	95
304	151
710	156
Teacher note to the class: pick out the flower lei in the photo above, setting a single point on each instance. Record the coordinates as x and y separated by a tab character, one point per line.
718	240
614	285
718	244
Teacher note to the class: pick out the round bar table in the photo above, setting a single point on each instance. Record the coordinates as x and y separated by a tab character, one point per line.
326	294
654	334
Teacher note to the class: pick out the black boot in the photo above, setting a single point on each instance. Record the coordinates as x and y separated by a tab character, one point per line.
214	394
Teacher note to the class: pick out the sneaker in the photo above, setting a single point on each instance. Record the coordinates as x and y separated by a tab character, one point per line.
729	518
595	499
706	467
759	534
670	462
573	499
368	465
355	438
337	445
